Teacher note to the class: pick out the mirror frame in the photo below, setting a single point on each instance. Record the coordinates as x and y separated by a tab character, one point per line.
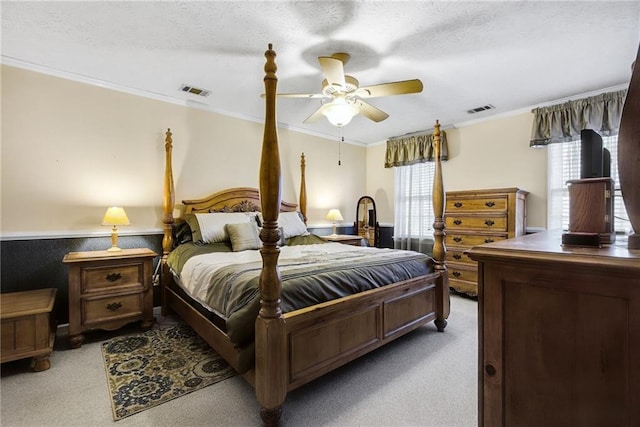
370	233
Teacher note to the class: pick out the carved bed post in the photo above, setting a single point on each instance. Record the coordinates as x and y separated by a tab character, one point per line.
271	381
167	220
303	190
439	249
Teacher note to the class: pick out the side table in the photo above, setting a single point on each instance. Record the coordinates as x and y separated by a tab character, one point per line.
28	327
107	290
346	239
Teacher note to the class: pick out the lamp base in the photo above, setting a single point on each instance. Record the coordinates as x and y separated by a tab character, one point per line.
114	249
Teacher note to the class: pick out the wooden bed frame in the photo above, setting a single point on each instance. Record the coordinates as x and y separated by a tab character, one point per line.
294	348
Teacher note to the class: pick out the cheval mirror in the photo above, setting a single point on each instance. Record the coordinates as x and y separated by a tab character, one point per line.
366	224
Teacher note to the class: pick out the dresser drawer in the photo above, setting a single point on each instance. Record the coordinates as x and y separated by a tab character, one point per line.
110	276
455	254
99	309
484	222
463	272
470	240
489	203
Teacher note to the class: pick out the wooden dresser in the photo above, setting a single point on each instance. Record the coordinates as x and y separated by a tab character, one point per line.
475	217
559	333
108	290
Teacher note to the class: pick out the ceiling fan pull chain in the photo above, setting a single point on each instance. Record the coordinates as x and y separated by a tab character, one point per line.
339	141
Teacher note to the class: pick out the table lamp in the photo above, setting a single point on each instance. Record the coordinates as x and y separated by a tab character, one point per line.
334	215
115	216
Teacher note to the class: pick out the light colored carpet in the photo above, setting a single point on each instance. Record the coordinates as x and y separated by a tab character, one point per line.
425	378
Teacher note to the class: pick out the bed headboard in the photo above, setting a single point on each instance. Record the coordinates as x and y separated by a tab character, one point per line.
238	199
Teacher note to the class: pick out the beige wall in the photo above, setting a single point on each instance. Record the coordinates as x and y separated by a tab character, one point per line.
70	149
490	154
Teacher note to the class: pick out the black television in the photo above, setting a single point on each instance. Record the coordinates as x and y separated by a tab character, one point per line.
595	160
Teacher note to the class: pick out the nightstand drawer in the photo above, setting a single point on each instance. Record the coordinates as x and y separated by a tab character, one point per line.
484	222
97	278
112	306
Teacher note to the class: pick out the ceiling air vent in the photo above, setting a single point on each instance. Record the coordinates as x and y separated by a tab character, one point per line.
195	90
483	108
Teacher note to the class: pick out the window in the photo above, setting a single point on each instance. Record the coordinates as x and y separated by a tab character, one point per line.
413	221
564	165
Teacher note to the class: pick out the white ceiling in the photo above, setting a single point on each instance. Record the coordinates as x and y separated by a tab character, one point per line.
513	55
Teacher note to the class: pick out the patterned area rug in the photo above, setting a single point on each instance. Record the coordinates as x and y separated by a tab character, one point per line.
148	369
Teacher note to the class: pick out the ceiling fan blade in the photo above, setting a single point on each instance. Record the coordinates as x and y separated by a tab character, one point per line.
316	115
298	95
333	70
392	88
370	112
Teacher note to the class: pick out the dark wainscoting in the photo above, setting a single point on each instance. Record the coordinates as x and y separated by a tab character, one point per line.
37	264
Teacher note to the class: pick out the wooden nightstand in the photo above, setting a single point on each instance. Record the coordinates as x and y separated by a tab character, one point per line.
28	327
108	290
346	239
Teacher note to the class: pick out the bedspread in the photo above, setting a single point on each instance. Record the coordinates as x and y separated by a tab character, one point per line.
228	283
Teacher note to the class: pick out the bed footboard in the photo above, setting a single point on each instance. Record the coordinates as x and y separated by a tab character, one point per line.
326	336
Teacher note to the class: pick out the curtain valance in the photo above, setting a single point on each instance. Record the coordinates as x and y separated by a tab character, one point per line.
563	122
417	148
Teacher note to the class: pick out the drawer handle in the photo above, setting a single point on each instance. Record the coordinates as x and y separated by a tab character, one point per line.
490	369
457	204
490	204
489	222
113	277
457	239
457	221
114	306
456	273
457	256
487	240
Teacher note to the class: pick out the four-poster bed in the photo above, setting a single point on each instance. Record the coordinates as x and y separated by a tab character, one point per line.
289	349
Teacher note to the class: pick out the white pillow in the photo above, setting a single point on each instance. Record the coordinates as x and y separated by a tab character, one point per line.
212	225
292	224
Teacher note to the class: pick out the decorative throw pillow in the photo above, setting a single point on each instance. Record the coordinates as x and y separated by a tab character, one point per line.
212	225
292	224
244	236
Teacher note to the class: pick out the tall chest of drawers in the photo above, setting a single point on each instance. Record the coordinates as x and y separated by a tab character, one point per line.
476	217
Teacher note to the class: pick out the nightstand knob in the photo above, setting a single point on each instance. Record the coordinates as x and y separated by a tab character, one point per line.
114	306
457	221
457	256
489	222
457	204
113	277
457	239
490	204
456	273
488	240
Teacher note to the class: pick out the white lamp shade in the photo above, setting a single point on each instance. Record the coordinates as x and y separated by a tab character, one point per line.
339	112
115	215
334	215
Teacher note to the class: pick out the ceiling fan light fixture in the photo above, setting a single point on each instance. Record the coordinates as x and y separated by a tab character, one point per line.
339	112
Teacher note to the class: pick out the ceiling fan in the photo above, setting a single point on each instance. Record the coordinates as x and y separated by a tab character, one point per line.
342	96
